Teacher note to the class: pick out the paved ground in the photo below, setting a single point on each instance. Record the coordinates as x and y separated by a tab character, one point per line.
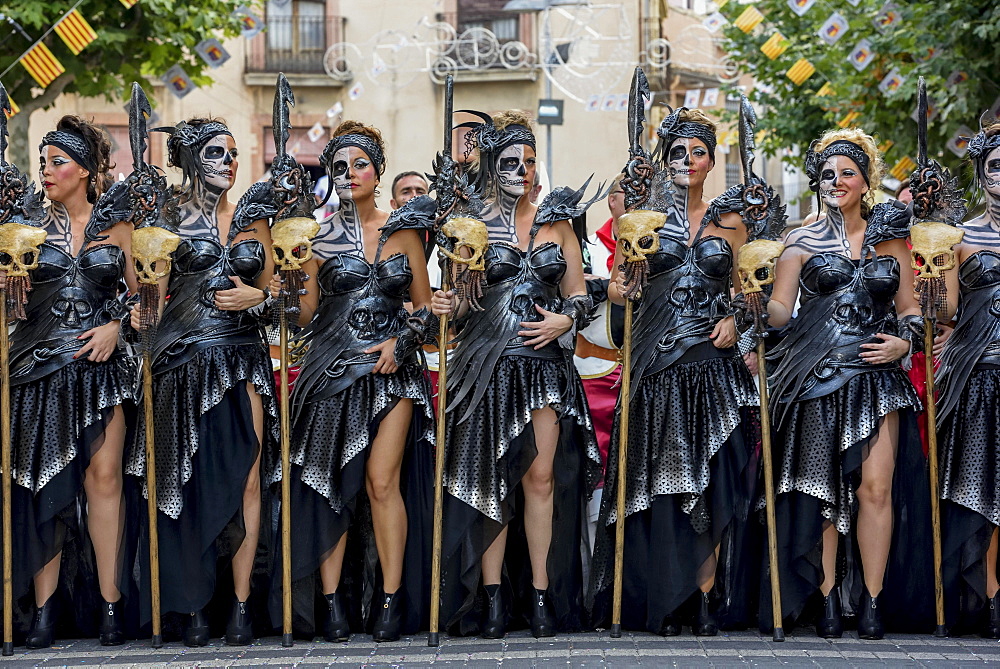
519	650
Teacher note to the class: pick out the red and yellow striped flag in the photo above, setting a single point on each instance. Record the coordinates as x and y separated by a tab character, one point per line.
902	168
75	31
849	119
13	107
749	19
129	3
801	71
775	45
884	147
41	64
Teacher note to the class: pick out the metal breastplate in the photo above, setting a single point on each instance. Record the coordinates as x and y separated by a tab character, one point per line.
687	295
858	294
531	277
361	304
190	321
69	296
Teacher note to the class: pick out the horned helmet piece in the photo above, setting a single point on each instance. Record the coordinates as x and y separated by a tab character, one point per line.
291	241
151	249
19	248
638	234
933	248
468	233
755	264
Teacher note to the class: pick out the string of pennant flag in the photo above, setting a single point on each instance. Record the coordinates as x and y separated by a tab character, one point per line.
77	33
833	28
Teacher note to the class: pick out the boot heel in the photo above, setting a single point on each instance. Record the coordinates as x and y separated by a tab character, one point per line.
111	629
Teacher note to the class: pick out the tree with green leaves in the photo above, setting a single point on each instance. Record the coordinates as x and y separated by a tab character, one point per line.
139	43
953	44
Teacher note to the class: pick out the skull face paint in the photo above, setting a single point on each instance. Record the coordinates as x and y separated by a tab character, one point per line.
991	173
516	169
689	161
218	163
354	174
841	184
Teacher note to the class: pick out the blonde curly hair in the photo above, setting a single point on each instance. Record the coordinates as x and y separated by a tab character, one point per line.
513	117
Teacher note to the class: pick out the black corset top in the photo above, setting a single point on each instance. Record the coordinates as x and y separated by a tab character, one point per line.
711	257
980	270
829	273
196	255
346	273
506	261
102	265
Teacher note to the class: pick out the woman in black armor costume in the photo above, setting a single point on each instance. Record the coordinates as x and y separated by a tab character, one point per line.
841	404
69	380
690	437
520	443
969	408
361	404
212	385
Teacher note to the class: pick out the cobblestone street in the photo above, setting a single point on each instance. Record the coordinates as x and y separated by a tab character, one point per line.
520	650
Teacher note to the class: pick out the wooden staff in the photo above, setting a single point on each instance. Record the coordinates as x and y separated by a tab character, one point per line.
625	394
154	537
772	531
8	563
932	464
433	637
286	509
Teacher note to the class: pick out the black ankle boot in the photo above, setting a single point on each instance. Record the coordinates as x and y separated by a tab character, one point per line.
336	627
43	626
670	627
542	622
389	620
495	626
870	618
704	624
196	633
111	628
239	631
829	625
992	629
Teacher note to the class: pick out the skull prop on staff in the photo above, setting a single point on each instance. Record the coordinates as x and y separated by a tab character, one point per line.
755	266
18	255
933	254
638	237
291	240
468	273
152	247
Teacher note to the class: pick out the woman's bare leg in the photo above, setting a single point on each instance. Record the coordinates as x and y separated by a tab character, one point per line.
539	486
243	560
831	540
875	504
105	504
382	483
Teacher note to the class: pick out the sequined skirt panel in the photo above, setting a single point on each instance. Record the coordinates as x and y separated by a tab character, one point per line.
680	417
181	396
818	432
331	432
477	446
48	415
970	446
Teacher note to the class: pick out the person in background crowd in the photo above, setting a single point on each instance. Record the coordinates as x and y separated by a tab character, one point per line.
406	186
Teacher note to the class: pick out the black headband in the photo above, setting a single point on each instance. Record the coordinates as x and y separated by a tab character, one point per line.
981	144
841	147
672	127
363	142
492	141
193	136
73	144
